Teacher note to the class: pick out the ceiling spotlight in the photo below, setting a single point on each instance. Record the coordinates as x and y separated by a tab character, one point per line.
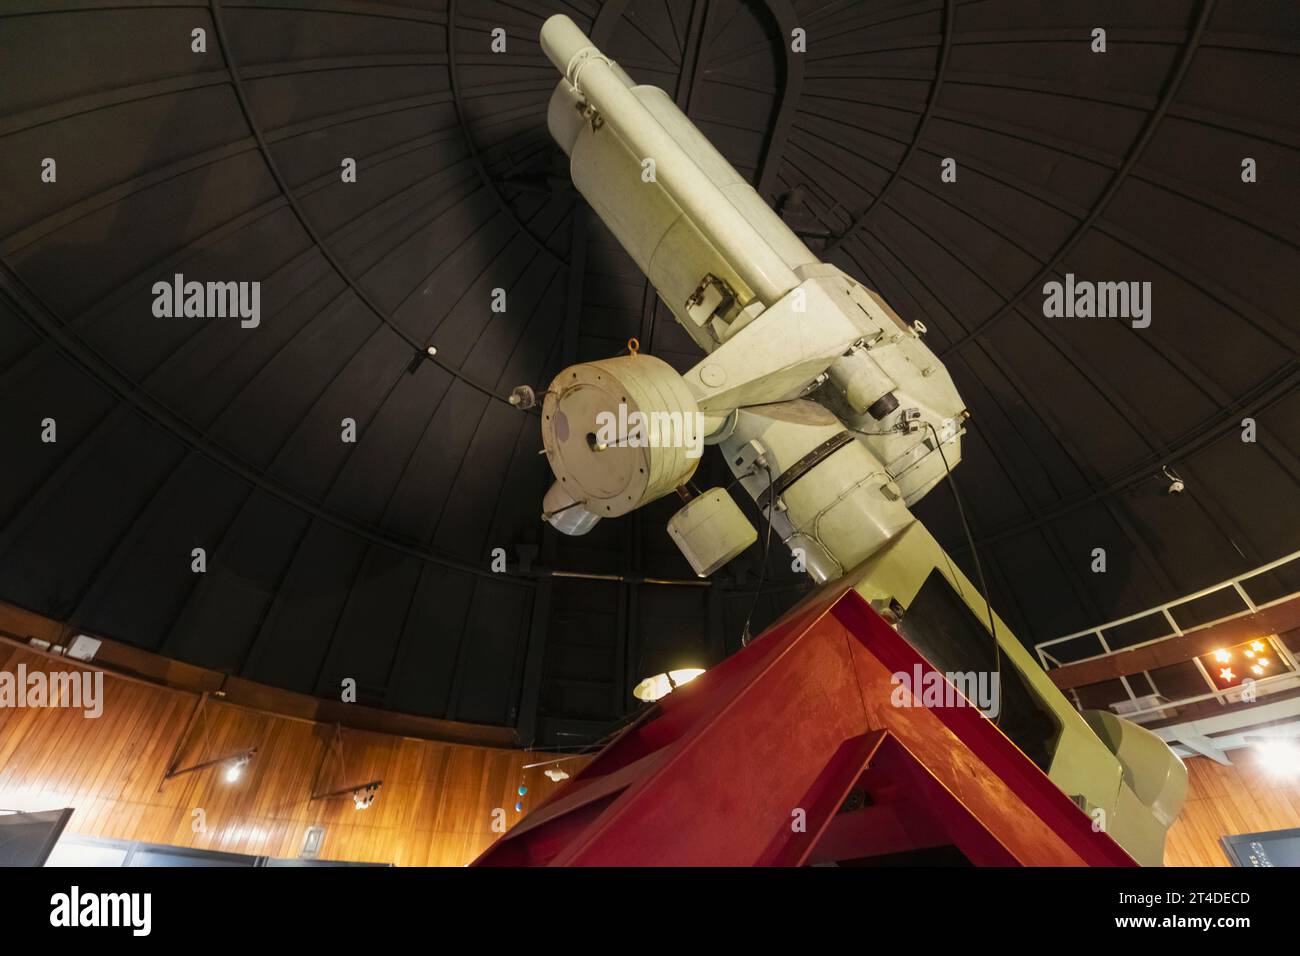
1279	756
231	766
1257	645
1256	669
235	768
363	797
1222	656
661	685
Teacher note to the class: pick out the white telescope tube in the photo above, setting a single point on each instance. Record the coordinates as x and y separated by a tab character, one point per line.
708	209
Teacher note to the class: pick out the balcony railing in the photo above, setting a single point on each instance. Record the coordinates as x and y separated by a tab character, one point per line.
1102	641
1104	648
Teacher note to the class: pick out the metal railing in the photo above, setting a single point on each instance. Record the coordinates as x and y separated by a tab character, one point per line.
1049	660
1263	687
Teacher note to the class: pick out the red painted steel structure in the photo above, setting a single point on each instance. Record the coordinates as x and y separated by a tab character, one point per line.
751	763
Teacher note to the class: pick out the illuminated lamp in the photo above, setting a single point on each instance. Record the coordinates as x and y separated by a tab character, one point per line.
661	685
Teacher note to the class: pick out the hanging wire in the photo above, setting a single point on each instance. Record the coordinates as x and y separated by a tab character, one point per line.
979	567
762	571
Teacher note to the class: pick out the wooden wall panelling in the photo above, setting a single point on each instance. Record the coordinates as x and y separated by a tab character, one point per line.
435	806
1227	800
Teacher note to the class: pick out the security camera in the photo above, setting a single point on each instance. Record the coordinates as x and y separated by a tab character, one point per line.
523	397
1176	484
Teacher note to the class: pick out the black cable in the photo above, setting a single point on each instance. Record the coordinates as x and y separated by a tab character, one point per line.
979	568
739	478
762	571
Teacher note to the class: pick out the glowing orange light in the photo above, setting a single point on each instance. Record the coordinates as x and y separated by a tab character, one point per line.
1250	653
1222	656
1256	645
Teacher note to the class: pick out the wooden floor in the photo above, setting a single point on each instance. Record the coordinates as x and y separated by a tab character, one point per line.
1225	801
437	805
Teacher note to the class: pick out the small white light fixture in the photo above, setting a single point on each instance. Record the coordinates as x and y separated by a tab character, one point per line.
661	685
556	774
1279	756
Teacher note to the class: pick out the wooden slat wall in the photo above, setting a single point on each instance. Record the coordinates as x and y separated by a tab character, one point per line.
435	807
1225	801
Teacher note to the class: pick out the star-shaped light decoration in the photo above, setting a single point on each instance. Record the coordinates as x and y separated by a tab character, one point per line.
1258	663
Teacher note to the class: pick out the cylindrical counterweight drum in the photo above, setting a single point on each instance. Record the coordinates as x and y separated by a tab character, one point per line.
621	432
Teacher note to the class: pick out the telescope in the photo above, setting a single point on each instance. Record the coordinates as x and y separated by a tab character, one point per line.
828	408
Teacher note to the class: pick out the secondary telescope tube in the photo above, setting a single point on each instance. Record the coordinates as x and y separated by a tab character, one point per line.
695	194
